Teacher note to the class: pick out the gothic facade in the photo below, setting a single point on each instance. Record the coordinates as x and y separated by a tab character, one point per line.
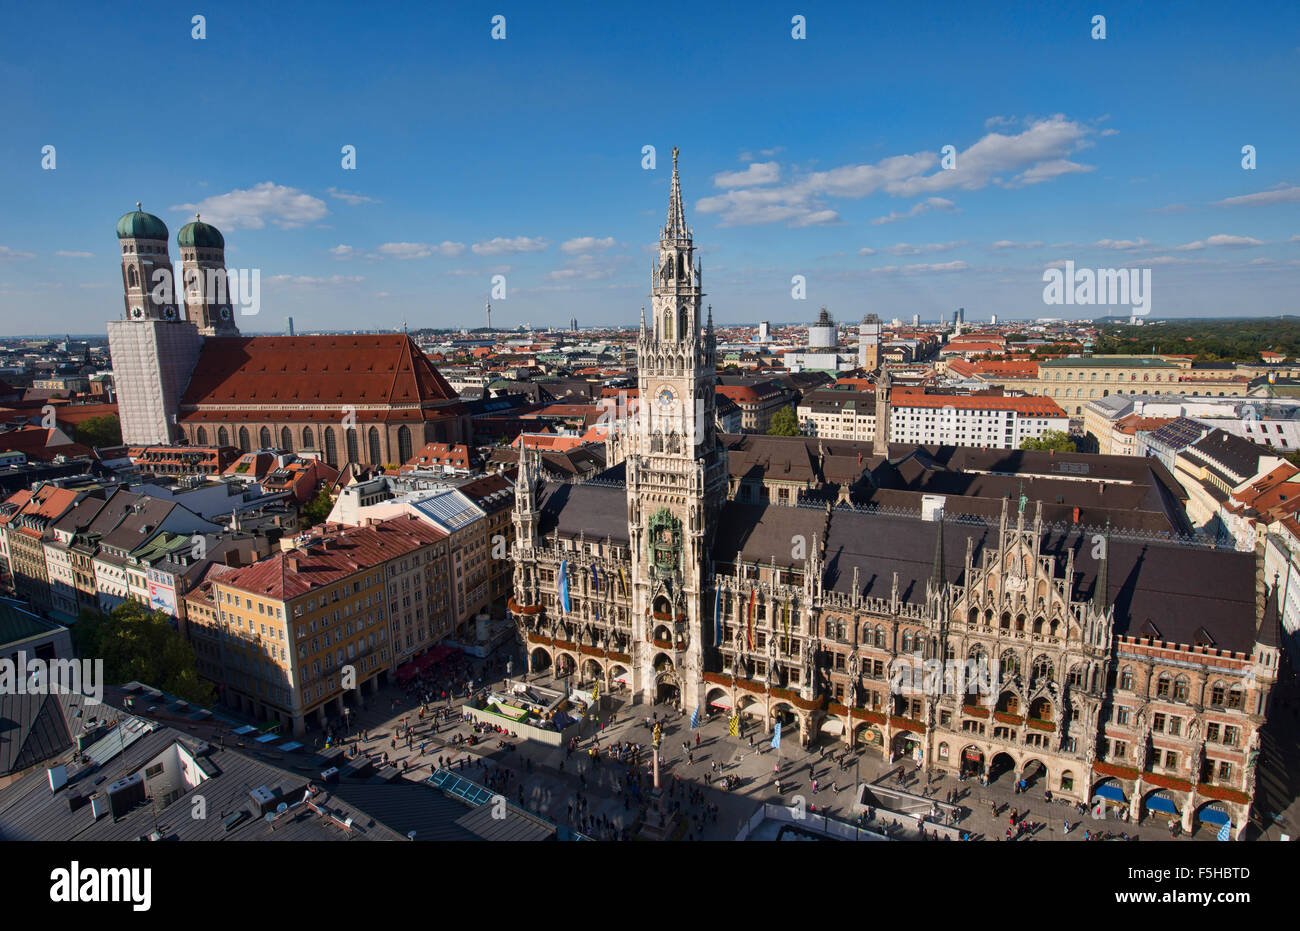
1129	672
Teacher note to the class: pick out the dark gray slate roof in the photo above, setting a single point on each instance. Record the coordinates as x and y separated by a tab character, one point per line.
1164	590
598	511
767	534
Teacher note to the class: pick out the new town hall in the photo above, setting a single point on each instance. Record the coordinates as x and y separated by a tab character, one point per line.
1130	669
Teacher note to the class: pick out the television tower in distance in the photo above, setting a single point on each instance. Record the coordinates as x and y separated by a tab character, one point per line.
489	315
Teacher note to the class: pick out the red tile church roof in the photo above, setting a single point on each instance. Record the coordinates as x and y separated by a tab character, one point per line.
329	371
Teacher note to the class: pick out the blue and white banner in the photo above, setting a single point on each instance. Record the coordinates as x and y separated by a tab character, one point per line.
776	737
695	718
564	585
1225	832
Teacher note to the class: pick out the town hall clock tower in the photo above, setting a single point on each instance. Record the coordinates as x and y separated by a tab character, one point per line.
676	474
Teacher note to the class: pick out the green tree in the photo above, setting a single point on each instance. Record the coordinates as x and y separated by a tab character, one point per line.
1053	439
784	423
316	510
139	645
99	431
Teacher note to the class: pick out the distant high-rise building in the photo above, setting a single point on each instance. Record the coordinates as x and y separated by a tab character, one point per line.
489	316
764	331
993	320
823	334
869	343
573	324
288	329
916	319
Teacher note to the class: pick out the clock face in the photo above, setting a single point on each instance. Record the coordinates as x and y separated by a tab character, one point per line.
169	312
666	397
137	312
225	313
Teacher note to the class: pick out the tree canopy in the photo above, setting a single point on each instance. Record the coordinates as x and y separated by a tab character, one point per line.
1057	440
99	432
784	423
316	510
140	645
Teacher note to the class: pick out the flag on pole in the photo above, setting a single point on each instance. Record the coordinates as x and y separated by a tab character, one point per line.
717	617
733	726
787	624
595	692
1225	832
564	585
622	580
753	597
776	737
695	718
595	579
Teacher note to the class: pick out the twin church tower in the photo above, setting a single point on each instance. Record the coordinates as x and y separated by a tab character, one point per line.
156	345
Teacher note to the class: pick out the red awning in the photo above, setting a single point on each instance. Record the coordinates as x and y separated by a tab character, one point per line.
425	661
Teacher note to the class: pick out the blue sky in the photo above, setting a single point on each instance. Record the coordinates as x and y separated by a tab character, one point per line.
817	157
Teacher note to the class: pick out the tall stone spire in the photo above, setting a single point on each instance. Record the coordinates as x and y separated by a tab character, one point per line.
676	228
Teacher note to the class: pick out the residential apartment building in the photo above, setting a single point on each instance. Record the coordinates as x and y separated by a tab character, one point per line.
296	635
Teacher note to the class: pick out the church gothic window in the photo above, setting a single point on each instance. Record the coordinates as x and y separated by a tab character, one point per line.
331	450
376	455
404	443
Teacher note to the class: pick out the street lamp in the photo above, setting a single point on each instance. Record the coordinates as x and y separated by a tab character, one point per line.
347	721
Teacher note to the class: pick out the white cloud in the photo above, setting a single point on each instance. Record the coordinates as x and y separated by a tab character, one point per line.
755	173
906	248
420	250
1035	155
587	244
866	250
6	254
286	207
306	281
1221	239
1046	171
349	198
1281	194
75	255
921	268
1008	244
341	251
1122	245
500	246
924	206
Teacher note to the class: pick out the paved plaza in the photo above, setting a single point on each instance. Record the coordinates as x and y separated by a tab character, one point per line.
595	800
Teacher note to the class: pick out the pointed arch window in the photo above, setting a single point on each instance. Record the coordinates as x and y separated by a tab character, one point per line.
308	438
331	450
353	454
223	438
286	439
404	443
132	279
244	444
376	455
201	437
264	438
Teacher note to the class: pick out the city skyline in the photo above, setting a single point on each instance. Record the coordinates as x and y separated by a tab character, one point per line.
837	179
